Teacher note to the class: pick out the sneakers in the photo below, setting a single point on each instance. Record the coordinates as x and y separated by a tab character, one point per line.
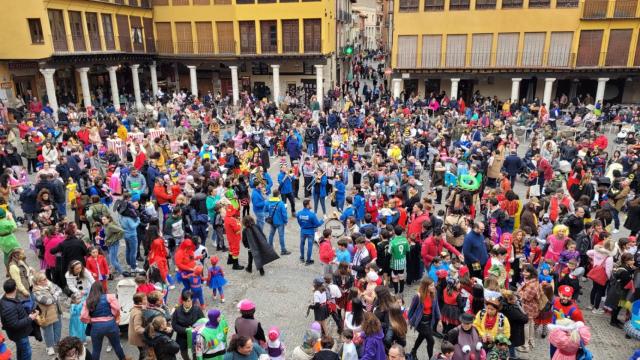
523	349
109	348
309	262
590	307
285	252
615	231
597	311
50	351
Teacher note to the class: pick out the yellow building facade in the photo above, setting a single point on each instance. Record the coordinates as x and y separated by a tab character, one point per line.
99	50
517	48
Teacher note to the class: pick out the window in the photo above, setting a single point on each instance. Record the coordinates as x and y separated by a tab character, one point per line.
147	24
408	5
589	48
266	1
184	38
539	3
625	9
133	3
260	68
145	4
165	39
107	31
481	50
431	51
226	41
93	31
269	36
240	2
247	37
290	36
136	35
77	31
222	2
560	49
204	31
595	9
180	2
35	29
456	50
160	2
459	5
58	32
618	49
533	49
407	51
511	4
312	36
485	4
507	49
124	37
201	2
433	5
566	3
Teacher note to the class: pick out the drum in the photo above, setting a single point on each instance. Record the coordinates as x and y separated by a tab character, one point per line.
336	226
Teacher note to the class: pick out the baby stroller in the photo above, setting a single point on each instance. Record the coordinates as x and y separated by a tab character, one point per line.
125	289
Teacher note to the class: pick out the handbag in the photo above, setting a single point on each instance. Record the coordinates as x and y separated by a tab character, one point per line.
598	274
542	300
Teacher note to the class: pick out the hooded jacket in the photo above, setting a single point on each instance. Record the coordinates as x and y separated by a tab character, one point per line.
373	347
158	256
184	256
8	241
164	347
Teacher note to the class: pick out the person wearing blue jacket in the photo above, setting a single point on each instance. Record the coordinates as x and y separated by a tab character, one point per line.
349	211
340	192
259	204
285	181
320	192
359	204
309	222
277	210
475	250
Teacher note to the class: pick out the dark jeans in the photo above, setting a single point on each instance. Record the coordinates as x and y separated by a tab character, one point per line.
424	333
597	292
31	165
23	349
110	330
292	200
616	218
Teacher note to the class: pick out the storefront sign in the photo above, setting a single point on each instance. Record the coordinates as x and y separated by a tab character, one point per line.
23	65
6	85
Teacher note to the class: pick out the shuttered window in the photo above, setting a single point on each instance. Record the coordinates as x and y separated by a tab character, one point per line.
312	36
77	31
618	49
180	2
511	4
226	41
123	33
589	47
165	39
507	49
160	2
184	38
407	51
533	49
248	37
58	32
149	40
408	5
459	5
291	36
93	30
107	31
456	50
481	50
433	5
204	32
137	35
431	51
560	49
485	4
201	2
269	36
636	60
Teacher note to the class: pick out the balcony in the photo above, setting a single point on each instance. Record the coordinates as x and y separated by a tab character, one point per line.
625	9
70	44
202	47
502	60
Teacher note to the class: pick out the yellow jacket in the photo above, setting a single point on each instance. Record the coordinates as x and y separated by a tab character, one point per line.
501	327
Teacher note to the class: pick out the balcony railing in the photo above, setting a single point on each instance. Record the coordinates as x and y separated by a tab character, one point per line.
625	9
202	47
504	60
69	45
566	3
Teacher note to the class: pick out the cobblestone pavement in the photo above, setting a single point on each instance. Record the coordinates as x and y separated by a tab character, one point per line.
283	294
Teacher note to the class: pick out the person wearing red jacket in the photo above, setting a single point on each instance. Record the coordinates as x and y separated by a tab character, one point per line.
545	170
327	253
162	197
433	246
415	224
233	230
158	256
97	265
141	157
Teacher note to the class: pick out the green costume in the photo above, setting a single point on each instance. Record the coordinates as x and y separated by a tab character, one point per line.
210	342
8	241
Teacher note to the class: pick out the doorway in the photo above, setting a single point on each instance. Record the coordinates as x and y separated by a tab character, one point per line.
410	88
465	90
431	86
528	89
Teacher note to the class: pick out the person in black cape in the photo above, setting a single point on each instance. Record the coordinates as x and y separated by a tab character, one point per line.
256	243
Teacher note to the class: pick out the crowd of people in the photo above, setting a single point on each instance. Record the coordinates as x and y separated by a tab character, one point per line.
495	273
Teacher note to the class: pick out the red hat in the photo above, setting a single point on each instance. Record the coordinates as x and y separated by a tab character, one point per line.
214	260
198	270
565	290
442	273
463	271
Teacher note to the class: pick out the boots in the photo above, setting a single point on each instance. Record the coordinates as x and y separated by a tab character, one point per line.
249	263
229	260
237	266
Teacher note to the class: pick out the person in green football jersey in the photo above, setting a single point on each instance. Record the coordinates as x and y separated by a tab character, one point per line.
398	248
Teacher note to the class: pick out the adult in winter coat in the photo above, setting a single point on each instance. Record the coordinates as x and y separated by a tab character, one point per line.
233	231
48	296
600	255
424	314
530	293
633	214
183	318
567	336
254	240
373	339
136	328
16	322
158	256
517	317
72	248
158	336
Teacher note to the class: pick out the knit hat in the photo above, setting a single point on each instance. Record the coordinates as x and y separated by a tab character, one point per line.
246	305
501	339
274	333
135	197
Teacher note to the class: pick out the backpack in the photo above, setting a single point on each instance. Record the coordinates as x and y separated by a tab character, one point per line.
583	242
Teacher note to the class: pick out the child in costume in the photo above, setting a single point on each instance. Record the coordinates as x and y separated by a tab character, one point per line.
216	280
76	327
195	285
97	265
275	347
453	305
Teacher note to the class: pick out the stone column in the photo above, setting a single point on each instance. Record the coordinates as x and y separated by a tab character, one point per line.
454	88
234	84
396	87
154	80
136	85
115	97
51	90
319	84
276	84
515	89
548	89
602	83
194	80
84	82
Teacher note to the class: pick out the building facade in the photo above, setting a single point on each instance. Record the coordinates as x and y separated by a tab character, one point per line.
517	48
77	50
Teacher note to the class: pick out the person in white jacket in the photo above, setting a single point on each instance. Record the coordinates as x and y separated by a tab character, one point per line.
50	154
601	256
79	279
